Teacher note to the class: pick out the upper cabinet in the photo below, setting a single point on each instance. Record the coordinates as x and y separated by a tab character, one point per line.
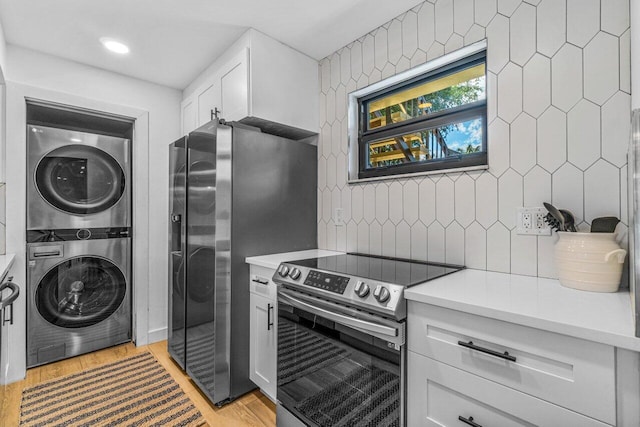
257	77
234	88
189	119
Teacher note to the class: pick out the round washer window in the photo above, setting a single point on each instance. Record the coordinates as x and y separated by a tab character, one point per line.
80	179
80	292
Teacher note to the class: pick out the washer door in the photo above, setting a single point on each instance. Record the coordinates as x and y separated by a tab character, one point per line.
80	179
80	292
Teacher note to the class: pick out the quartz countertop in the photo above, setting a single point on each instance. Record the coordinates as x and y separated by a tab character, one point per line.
6	261
535	302
273	260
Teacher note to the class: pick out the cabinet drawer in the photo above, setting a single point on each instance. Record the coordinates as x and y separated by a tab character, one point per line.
572	373
438	394
258	276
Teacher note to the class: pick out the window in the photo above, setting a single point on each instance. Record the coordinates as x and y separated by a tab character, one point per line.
430	118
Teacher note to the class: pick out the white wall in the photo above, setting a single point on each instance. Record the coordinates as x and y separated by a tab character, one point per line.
4	352
157	109
3	55
558	111
3	67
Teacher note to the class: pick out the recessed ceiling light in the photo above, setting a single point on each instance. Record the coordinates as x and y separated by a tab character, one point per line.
114	45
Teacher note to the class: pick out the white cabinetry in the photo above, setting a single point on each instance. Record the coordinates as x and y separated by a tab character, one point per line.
499	373
257	77
189	119
263	331
9	330
440	395
208	100
234	87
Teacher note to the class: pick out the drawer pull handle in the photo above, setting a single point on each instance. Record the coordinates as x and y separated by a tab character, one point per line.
261	281
468	421
472	346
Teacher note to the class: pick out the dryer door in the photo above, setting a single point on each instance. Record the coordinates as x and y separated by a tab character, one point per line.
80	292
80	179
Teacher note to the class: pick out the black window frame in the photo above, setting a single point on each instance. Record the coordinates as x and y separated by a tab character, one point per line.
477	109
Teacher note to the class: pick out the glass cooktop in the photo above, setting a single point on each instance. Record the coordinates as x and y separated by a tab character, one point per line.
401	272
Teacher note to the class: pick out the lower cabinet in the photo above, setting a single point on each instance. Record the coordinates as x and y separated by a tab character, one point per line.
441	395
464	369
263	332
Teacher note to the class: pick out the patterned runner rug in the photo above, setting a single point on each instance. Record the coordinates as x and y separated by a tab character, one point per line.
136	391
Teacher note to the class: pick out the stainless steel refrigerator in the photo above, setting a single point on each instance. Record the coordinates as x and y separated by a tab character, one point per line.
234	192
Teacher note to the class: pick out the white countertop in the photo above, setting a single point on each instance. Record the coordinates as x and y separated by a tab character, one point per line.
273	260
6	261
536	302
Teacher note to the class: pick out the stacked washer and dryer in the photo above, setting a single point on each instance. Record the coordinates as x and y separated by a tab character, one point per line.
78	243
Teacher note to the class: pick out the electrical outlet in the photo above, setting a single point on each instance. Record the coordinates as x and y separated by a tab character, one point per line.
531	221
338	217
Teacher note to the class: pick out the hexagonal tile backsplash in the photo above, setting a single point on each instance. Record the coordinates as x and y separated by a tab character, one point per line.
559	119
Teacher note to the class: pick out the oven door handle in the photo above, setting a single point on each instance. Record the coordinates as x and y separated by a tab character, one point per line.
362	325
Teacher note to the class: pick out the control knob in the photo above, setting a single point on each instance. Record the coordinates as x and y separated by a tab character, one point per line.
295	273
361	289
283	271
381	294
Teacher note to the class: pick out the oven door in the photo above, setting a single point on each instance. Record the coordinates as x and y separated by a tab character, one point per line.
338	366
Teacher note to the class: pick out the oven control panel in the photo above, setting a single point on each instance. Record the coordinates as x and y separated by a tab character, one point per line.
326	281
354	291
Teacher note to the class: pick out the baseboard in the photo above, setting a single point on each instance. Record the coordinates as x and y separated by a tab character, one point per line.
12	376
156	335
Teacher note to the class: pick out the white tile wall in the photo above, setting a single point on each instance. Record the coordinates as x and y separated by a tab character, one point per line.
3	218
558	110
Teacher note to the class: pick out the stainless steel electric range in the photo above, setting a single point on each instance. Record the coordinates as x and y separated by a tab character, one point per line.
341	338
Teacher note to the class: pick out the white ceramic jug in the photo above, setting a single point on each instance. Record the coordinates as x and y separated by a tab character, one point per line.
589	261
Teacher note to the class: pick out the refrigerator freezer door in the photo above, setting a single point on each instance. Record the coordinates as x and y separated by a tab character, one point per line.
177	220
200	261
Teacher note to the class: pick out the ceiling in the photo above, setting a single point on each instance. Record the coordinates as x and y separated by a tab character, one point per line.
172	41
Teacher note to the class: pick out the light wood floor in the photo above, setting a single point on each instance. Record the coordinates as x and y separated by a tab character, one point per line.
252	409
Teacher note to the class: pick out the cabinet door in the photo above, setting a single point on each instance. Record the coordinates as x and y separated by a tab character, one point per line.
439	395
263	344
188	116
208	101
574	373
234	87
